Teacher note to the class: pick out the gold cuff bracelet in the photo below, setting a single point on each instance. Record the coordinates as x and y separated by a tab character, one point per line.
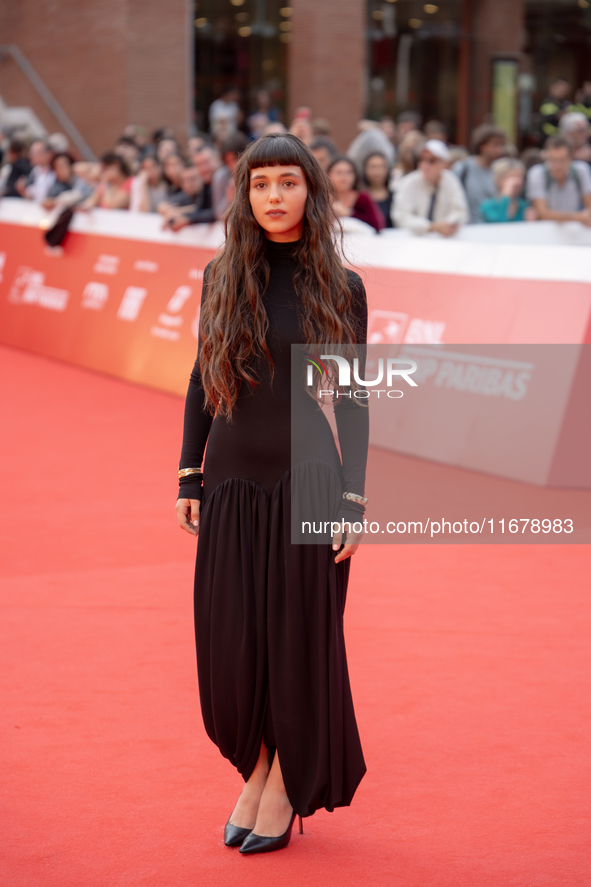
185	472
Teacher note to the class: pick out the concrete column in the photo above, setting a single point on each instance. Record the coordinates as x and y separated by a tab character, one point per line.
327	65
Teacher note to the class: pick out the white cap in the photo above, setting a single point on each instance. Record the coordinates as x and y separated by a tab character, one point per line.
437	148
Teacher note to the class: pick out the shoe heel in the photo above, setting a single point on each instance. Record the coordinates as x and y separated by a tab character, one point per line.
300	824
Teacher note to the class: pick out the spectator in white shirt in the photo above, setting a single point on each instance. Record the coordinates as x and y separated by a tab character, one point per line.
560	188
432	197
41	177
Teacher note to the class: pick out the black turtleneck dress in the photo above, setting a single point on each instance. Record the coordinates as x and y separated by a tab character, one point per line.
271	655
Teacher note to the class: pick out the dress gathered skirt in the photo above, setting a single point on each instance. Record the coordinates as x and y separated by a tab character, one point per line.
271	658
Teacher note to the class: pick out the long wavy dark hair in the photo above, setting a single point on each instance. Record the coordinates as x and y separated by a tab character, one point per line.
233	319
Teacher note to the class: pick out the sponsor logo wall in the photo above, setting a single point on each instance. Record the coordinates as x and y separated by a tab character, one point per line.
516	411
124	307
124	299
129	305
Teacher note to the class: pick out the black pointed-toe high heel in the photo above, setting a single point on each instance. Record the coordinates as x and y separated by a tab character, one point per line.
261	844
234	835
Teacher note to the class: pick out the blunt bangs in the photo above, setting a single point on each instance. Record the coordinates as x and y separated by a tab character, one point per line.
277	149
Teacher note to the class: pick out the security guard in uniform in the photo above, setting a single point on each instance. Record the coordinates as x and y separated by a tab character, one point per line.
552	108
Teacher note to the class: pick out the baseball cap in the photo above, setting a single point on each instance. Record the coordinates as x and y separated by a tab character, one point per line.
437	148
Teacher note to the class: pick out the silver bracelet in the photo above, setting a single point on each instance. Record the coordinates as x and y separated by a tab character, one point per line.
354	497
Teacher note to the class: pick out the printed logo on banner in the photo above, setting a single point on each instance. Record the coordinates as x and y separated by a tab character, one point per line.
131	304
386	327
2	264
146	265
95	295
425	332
29	288
170	321
393	327
472	373
106	265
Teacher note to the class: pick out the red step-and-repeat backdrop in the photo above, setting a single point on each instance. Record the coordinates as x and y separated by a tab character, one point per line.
131	307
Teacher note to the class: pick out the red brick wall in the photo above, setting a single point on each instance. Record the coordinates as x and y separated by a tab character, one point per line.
327	62
159	63
497	30
107	62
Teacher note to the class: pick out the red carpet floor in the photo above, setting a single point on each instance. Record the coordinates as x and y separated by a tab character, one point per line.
470	669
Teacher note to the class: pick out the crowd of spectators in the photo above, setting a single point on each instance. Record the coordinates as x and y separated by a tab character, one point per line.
394	174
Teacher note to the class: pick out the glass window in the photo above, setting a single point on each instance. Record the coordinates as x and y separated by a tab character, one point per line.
243	44
413	58
558	43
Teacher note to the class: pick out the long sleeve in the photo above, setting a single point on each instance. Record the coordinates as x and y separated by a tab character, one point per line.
219	186
201	216
413	198
408	211
204	211
352	418
197	423
455	206
367	210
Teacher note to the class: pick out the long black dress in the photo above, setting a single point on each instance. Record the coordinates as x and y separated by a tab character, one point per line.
268	614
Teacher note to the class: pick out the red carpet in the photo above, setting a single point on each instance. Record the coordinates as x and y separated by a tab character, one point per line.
470	669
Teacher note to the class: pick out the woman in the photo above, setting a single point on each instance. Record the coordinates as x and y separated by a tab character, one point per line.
148	188
165	146
16	169
66	182
376	173
173	174
112	191
508	205
350	201
272	669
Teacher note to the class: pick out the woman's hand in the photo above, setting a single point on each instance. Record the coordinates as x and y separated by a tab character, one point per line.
341	209
187	511
351	545
446	229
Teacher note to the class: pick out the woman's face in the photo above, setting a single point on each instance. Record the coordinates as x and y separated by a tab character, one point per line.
112	175
511	184
153	170
278	199
165	148
376	171
63	169
342	177
173	169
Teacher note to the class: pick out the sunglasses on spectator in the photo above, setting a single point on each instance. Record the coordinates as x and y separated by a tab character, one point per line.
430	160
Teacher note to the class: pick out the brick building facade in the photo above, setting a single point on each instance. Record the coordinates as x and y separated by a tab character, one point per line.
327	63
154	63
107	63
